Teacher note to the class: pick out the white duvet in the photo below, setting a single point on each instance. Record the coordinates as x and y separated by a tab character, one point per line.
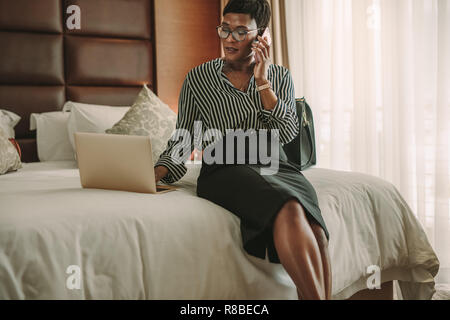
179	246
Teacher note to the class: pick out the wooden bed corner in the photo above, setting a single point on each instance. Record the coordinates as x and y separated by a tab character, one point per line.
385	293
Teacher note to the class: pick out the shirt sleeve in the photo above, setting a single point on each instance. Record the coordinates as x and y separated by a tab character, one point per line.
284	115
173	158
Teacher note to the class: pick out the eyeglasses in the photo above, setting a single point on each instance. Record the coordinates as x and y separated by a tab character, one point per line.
239	34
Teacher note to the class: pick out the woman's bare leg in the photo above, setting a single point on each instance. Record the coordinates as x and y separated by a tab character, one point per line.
324	254
299	251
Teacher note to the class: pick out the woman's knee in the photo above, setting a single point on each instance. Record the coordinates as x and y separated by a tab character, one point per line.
291	212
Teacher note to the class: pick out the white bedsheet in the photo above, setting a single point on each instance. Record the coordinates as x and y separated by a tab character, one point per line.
179	246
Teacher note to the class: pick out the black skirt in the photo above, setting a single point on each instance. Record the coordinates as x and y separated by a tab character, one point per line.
254	197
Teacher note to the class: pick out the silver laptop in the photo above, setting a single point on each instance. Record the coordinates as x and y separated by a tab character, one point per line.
117	162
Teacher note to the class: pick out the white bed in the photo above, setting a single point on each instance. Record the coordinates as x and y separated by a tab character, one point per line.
179	246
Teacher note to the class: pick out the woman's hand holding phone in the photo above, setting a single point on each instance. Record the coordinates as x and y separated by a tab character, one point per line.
261	49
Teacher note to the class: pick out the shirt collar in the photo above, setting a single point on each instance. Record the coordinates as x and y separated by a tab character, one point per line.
219	62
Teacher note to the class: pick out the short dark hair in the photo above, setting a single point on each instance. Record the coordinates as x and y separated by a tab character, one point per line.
258	10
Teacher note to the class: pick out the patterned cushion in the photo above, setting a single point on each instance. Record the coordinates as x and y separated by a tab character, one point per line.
148	116
9	157
17	146
8	120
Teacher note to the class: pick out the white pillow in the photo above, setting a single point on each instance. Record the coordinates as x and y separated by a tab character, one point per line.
8	120
91	118
52	138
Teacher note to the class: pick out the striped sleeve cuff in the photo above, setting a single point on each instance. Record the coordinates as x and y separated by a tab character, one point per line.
176	171
279	111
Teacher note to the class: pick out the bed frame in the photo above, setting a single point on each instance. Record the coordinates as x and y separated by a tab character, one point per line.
43	62
385	293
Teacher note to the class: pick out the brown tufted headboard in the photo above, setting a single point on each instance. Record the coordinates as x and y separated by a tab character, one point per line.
43	64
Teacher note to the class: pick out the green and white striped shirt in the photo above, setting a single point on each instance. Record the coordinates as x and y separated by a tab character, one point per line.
208	96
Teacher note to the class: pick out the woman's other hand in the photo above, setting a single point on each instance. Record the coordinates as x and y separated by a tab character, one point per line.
160	172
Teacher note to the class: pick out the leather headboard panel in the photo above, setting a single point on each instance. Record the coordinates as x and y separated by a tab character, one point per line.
29	59
43	63
113	96
115	18
26	15
131	59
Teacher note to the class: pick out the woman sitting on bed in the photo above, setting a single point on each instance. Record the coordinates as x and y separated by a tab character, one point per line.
279	213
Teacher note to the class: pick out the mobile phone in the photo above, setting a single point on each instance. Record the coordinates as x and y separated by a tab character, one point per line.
267	34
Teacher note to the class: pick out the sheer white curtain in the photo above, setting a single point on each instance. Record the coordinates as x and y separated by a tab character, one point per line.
377	76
